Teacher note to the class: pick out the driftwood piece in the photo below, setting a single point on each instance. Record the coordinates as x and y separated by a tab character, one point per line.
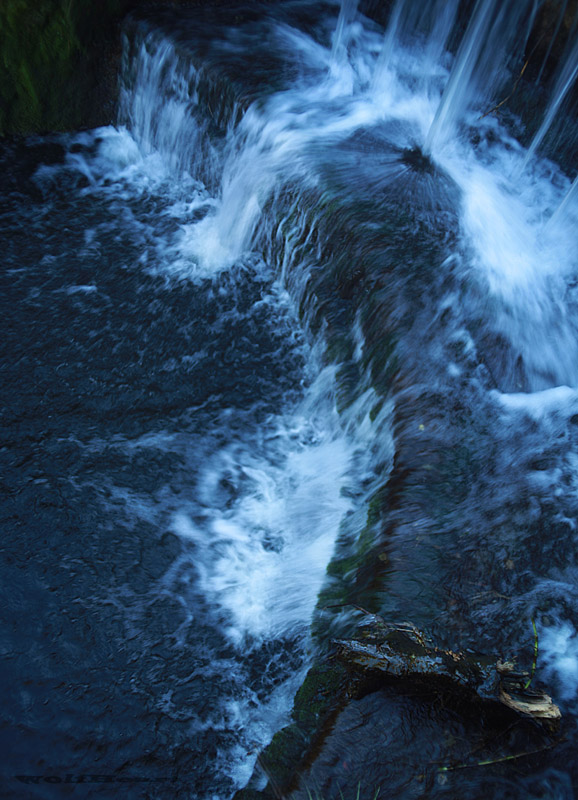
404	651
514	691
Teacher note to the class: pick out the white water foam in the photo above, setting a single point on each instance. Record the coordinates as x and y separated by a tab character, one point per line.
559	659
539	404
262	560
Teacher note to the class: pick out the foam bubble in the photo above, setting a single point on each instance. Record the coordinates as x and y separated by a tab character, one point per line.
263	560
540	404
559	657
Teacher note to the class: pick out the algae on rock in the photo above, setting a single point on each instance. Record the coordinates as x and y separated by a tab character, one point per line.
53	56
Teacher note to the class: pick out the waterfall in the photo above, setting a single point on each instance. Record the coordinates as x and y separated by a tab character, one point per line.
553	38
391	34
410	21
561	215
440	18
492	31
564	83
346	15
284	343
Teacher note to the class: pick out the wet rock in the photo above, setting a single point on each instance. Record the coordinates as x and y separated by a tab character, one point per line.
322	695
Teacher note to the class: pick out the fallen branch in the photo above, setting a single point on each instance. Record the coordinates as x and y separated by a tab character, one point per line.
404	651
505	100
516	82
535	655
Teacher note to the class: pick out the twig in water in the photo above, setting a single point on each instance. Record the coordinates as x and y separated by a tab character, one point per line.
503	758
516	82
505	100
343	605
529	681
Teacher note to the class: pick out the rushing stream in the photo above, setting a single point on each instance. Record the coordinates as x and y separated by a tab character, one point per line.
305	265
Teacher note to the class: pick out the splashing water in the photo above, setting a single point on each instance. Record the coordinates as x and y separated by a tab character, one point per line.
425	110
563	85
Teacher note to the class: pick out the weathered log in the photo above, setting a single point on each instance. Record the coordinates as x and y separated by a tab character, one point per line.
404	651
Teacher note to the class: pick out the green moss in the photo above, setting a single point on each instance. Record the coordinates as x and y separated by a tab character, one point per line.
376	506
357	572
280	758
321	694
317	694
380	357
339	348
374	412
340	567
50	52
348	379
36	42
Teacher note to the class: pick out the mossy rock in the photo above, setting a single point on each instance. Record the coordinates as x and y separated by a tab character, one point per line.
321	696
53	57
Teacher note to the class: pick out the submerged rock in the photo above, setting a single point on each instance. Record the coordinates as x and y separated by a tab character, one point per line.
417	160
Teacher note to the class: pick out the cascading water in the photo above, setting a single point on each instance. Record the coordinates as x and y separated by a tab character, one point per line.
559	217
346	16
480	62
265	299
563	85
